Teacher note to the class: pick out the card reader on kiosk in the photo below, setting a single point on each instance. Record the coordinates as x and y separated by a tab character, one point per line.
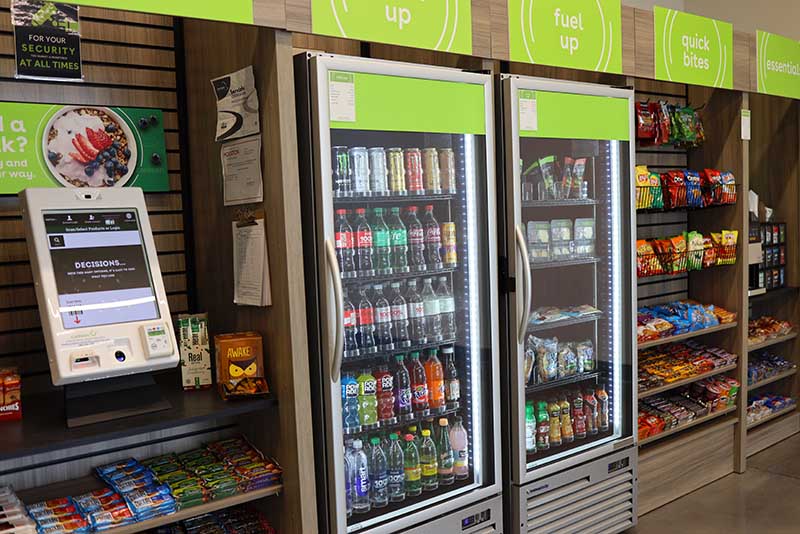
102	303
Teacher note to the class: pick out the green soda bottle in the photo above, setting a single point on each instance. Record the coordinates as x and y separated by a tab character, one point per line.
413	473
446	458
429	462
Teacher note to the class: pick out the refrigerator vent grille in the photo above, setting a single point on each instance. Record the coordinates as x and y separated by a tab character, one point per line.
584	508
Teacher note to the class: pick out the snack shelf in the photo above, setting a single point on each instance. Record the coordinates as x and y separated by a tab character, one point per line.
561	382
687	335
564	263
417	418
362	199
359	280
773	293
678	383
559	203
389	353
722	194
649	265
82	485
680	428
588	318
769	342
771	379
772	416
42	429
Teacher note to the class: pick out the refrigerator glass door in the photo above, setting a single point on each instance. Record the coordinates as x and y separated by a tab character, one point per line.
570	159
404	159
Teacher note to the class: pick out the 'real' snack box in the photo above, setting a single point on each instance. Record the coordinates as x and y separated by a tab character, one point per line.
10	394
195	351
240	365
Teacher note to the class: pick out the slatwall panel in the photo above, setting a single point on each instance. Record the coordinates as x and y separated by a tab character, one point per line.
658	289
129	60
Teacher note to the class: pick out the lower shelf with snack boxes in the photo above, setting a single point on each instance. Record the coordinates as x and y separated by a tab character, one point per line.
671	366
132	496
767	406
764	368
663	415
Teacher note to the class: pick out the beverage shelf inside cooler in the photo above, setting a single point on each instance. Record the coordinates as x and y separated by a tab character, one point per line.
384	199
537	388
360	280
560	203
397	350
590	260
588	318
553	454
416	419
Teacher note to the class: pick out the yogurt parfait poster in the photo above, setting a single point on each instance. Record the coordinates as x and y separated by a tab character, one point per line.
47	40
44	145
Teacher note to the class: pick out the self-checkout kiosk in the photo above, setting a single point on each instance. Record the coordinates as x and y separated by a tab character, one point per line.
102	303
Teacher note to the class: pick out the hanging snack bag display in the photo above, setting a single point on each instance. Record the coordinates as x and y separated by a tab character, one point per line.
240	365
694	193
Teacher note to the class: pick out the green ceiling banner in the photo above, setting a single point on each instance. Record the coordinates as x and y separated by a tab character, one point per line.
552	115
580	34
240	11
778	65
693	49
444	25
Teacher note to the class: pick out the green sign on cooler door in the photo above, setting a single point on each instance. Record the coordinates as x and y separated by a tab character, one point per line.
693	49
580	34
444	25
240	11
551	115
778	65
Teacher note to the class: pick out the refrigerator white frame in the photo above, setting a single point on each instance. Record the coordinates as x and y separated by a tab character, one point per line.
510	84
320	65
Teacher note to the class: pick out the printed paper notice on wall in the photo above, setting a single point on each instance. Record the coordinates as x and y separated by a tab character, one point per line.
745	125
342	96
47	40
237	105
528	114
693	49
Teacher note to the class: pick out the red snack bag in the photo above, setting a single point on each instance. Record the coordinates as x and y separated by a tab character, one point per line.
663	124
645	122
674	183
711	179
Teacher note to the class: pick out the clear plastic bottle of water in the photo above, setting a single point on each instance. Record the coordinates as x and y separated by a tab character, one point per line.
379	478
361	502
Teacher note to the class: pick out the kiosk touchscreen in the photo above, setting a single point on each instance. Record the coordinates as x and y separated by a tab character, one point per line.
102	303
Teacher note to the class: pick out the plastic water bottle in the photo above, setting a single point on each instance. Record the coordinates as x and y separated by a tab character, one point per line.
447	309
411	468
361	502
348	488
416	240
381	242
383	320
367	401
395	464
350	417
433	321
379	479
399	318
429	462
416	315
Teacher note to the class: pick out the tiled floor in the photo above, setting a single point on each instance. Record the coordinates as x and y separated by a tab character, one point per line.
763	500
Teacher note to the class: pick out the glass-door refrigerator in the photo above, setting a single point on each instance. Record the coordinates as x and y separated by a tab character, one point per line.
399	209
571	359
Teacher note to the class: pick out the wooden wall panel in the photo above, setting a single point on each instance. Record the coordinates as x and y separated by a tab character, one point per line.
481	28
298	16
741	60
498	11
628	40
271	13
645	66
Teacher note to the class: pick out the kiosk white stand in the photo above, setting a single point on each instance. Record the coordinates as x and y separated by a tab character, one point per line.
102	303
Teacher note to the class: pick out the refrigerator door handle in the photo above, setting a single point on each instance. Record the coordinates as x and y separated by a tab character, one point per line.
333	270
522	247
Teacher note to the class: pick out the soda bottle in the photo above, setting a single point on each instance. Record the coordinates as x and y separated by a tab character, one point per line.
398	240
447	309
446	459
433	321
382	250
411	468
416	315
452	385
364	263
359	170
554	408
385	395
435	374
351	421
416	240
419	386
414	172
433	240
378	178
395	466
366	324
414	431
399	318
429	462
345	240
402	392
348	479
602	408
567	433
342	183
361	503
383	320
578	416
350	321
542	427
459	441
367	402
378	476
530	428
590	410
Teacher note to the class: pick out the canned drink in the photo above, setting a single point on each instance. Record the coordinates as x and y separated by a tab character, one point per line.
359	167
447	169
430	168
340	161
397	171
450	255
378	181
448	233
414	172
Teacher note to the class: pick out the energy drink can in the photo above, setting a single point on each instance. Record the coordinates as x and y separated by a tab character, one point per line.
447	169
342	182
397	171
450	256
378	180
414	172
359	165
448	233
430	168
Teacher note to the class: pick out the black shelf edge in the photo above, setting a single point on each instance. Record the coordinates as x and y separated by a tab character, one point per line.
538	327
565	203
538	388
564	263
359	280
418	418
383	199
684	208
397	350
43	426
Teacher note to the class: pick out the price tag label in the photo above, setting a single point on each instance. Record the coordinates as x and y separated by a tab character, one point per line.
342	96
528	114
